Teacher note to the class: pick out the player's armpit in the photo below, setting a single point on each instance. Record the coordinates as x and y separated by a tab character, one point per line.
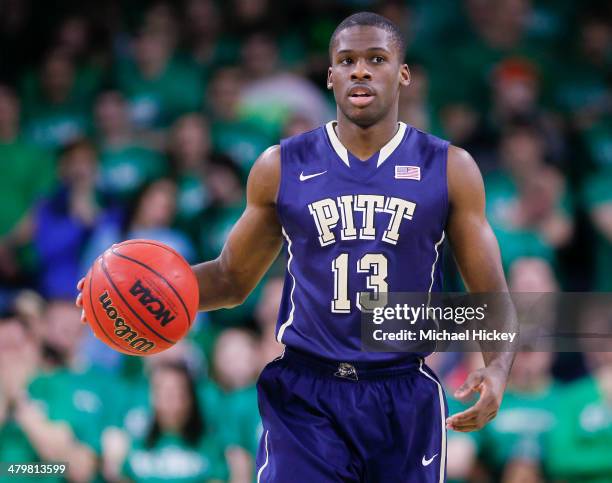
252	245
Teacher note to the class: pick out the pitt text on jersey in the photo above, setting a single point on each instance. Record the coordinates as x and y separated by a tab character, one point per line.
328	212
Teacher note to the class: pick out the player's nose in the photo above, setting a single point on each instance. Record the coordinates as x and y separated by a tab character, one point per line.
361	71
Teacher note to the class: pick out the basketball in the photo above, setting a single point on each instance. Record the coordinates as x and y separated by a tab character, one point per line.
140	297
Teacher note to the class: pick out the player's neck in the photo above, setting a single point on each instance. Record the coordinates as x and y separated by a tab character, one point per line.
364	142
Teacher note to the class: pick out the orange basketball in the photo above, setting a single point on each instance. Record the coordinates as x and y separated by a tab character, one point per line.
140	297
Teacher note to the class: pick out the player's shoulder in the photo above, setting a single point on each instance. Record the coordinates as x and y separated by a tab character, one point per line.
461	163
306	141
425	138
305	136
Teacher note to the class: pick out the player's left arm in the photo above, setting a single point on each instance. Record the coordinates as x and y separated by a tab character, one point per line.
477	254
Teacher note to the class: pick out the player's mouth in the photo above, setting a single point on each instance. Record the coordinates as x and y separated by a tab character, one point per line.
361	96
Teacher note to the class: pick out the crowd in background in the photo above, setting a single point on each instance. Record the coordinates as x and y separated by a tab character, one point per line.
141	119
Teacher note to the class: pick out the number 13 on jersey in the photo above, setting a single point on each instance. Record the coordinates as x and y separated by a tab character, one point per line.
372	264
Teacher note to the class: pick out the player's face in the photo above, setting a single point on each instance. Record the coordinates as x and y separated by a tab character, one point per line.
366	74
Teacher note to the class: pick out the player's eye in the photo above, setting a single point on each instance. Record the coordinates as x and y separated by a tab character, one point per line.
378	59
346	61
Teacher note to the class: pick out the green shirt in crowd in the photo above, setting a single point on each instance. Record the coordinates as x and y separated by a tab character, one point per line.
87	401
517	242
454	407
15	447
520	427
241	141
245	427
215	225
597	191
26	173
124	170
205	461
580	445
174	460
157	102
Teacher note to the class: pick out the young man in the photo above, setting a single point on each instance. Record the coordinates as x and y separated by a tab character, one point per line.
363	204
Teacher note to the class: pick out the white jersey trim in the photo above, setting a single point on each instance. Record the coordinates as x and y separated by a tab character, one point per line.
384	153
387	149
289	321
267	459
443	421
433	265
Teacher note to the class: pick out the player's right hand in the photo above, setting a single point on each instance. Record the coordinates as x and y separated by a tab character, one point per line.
79	300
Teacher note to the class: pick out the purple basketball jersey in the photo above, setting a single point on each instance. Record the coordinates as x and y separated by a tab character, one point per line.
356	230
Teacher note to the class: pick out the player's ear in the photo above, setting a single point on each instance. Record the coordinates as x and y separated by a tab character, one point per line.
330	84
404	75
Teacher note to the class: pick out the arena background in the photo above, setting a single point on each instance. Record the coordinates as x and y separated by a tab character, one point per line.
136	119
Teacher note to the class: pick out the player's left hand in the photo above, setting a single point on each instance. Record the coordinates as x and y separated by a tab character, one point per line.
490	383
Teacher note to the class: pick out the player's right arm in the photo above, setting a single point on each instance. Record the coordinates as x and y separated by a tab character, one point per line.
252	245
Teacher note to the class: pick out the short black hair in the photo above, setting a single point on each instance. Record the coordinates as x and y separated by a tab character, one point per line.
372	20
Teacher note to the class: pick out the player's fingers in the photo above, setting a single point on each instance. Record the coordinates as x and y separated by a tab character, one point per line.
472	413
470	385
79	300
83	318
480	413
465	428
80	284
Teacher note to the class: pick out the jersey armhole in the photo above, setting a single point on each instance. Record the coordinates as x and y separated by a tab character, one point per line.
280	195
445	150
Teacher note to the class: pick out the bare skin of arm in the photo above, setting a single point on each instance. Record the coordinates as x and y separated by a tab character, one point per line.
476	252
251	247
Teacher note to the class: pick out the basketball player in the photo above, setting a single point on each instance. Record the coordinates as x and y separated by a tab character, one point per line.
363	205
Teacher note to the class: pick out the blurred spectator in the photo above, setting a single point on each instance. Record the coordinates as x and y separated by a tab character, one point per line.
60	415
150	217
236	368
178	445
515	85
27	173
462	448
513	444
78	38
189	150
297	124
271	94
579	445
597	194
497	31
527	201
536	302
125	164
414	107
207	46
582	90
55	113
232	136
67	217
266	315
158	88
227	202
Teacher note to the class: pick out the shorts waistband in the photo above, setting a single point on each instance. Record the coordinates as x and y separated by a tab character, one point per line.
352	370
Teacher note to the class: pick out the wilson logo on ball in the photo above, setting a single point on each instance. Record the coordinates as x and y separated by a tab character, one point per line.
122	330
154	305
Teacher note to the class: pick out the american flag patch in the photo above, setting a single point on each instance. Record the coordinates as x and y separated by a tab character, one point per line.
408	172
